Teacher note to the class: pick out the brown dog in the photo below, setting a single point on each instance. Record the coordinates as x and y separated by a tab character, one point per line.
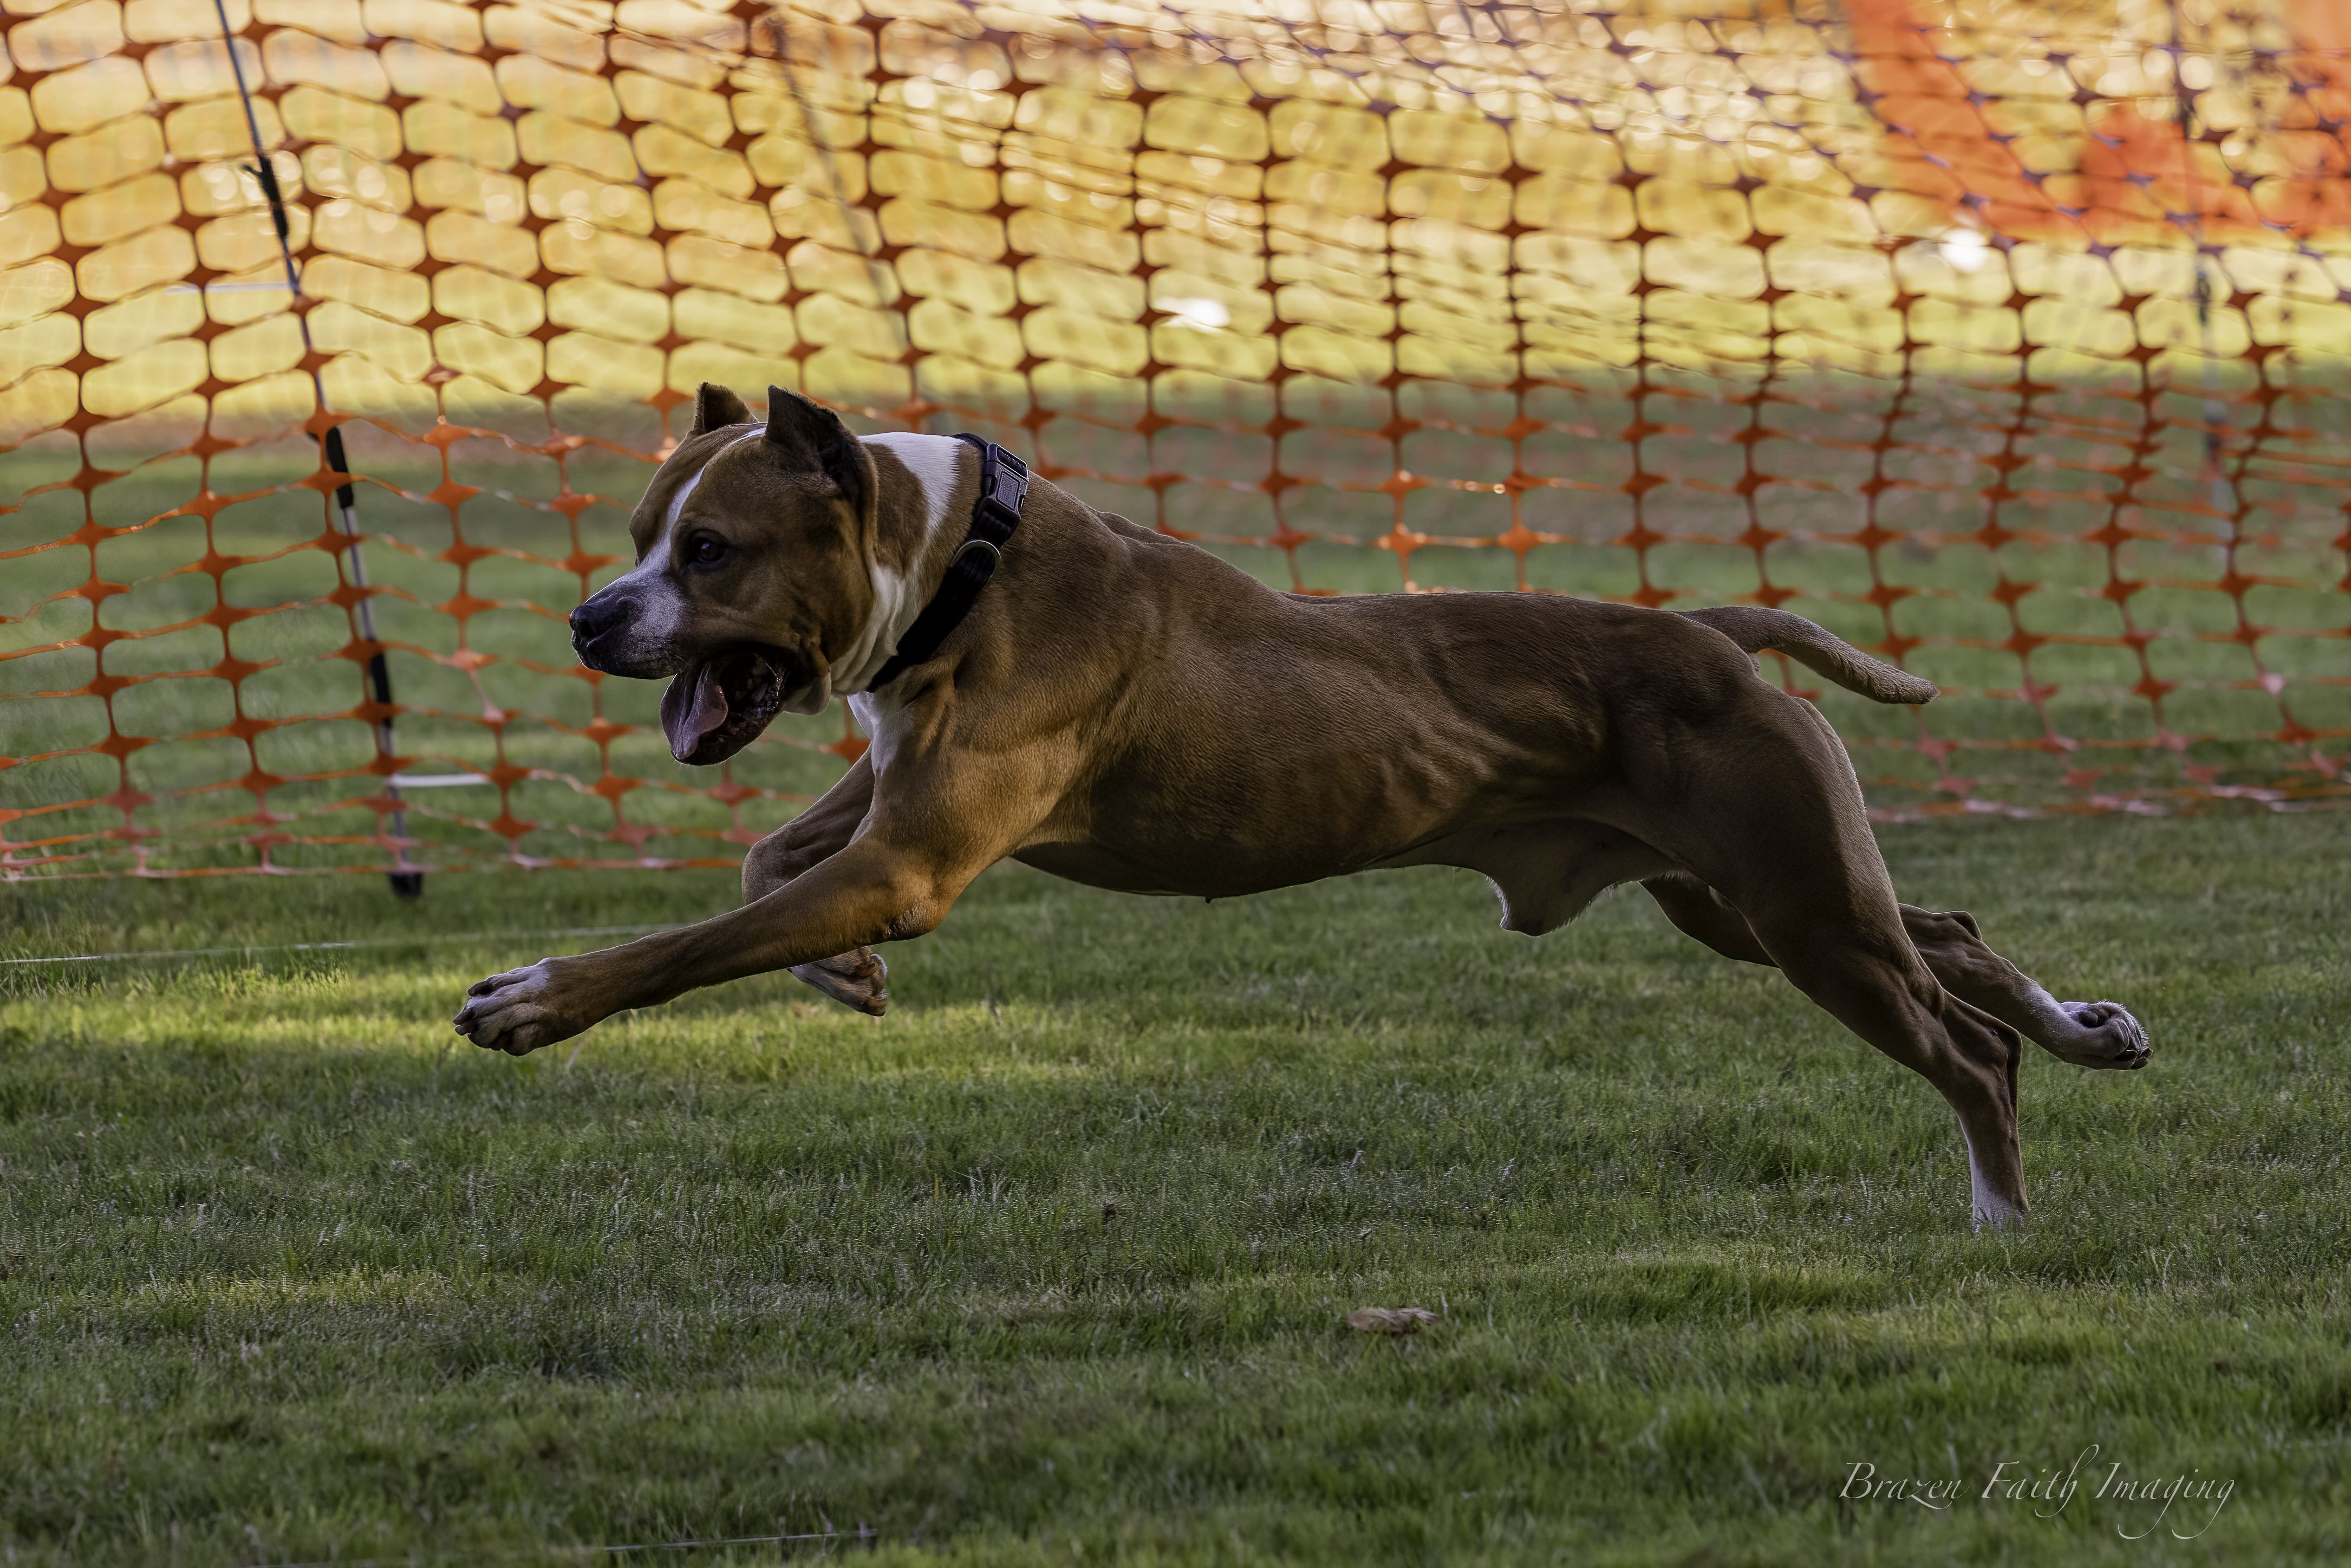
1124	710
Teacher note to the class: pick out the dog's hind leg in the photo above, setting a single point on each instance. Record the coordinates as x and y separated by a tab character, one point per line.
2087	1034
859	979
1861	969
1776	822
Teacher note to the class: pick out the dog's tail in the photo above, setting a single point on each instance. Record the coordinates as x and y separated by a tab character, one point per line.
1754	629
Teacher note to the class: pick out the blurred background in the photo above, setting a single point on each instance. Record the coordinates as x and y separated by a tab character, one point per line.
2005	340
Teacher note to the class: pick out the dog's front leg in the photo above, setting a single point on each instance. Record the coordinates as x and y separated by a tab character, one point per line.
867	893
858	979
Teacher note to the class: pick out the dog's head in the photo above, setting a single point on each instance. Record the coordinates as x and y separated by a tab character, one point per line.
754	544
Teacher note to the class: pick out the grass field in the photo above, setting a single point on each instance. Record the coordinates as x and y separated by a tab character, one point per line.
1053	1263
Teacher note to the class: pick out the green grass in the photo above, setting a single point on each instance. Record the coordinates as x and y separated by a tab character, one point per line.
1053	1263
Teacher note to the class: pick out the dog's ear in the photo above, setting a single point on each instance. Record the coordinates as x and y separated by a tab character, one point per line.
715	407
814	435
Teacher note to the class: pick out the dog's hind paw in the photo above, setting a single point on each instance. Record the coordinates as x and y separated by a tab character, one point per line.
2104	1035
856	979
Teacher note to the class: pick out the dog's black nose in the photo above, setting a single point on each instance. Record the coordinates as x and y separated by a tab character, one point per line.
592	619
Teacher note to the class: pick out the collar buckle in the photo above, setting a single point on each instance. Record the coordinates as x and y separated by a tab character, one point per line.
1003	483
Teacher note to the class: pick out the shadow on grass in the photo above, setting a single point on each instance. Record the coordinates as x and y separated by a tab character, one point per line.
1061	1251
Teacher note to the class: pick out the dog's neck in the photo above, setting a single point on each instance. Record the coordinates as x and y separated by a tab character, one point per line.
925	489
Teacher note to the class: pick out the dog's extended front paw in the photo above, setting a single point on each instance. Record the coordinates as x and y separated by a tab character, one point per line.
521	1010
855	979
2105	1035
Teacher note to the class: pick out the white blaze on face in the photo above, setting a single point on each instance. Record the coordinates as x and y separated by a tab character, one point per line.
936	462
660	605
656	595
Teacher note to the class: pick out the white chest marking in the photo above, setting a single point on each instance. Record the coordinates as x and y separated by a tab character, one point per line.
936	462
879	720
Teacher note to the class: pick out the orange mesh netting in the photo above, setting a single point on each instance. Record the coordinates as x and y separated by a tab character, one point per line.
2005	339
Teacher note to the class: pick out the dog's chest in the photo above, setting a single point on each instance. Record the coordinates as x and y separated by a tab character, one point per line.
884	727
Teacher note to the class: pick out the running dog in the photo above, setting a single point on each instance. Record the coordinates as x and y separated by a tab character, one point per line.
1052	683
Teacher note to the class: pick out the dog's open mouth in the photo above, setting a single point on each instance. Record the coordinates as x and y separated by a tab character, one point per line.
714	709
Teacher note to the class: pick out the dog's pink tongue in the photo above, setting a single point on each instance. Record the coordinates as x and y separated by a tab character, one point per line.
694	705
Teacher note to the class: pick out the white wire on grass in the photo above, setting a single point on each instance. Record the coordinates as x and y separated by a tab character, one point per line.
862	1533
417	941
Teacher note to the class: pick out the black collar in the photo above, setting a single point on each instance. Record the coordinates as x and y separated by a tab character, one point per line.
1003	485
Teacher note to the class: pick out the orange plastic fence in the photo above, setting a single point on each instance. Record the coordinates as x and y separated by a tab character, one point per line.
2008	339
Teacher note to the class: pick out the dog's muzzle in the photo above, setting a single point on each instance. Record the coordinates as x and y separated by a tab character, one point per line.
599	629
595	616
717	703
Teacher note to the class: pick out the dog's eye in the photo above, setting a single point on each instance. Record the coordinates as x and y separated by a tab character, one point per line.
704	549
